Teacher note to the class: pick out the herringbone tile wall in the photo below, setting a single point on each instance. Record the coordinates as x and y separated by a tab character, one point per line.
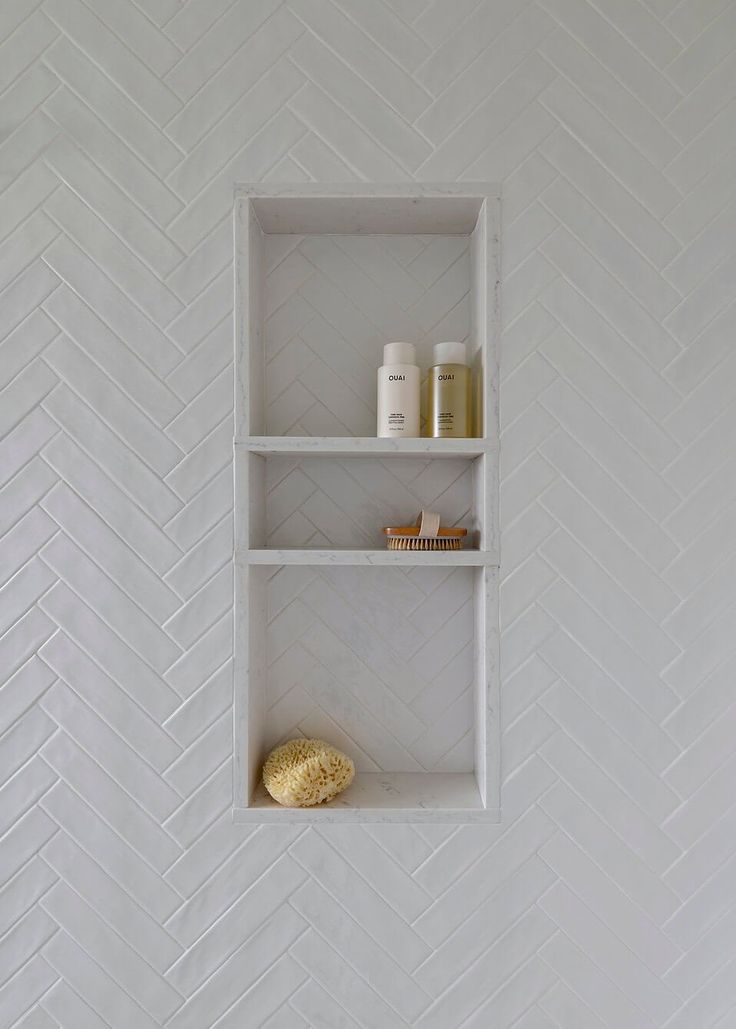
608	895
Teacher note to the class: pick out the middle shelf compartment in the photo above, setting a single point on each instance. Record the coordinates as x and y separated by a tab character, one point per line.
335	507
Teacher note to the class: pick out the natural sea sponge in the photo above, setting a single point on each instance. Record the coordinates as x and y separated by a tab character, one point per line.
302	773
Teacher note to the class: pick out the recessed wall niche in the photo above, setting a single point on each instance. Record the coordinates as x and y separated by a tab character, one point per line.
391	655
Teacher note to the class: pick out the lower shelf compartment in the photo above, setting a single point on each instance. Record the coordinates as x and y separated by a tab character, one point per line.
450	798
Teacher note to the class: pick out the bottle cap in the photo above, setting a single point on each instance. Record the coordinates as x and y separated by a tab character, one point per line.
399	353
449	353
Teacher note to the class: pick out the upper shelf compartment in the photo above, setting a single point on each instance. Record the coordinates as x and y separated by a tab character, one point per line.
331	276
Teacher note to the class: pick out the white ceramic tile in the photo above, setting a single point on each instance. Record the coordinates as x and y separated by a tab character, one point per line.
605	897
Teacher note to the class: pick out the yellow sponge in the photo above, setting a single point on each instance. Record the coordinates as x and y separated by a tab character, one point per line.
304	772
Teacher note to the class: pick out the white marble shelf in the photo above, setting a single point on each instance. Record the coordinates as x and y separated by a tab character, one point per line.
384	797
348	556
367	446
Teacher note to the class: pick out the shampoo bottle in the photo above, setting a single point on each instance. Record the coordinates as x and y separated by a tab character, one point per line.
449	392
398	392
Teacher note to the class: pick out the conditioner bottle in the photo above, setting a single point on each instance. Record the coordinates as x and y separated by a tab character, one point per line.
449	392
398	392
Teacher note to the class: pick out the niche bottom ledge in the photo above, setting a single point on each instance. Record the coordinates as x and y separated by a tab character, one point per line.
449	798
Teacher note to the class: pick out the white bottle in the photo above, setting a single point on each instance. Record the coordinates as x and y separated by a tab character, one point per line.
398	392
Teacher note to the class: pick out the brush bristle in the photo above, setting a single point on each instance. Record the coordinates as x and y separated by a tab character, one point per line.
423	543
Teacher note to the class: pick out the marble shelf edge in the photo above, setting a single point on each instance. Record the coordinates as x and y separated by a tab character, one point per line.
355	446
368	557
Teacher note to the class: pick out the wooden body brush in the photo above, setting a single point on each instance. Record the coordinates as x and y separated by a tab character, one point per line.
425	534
